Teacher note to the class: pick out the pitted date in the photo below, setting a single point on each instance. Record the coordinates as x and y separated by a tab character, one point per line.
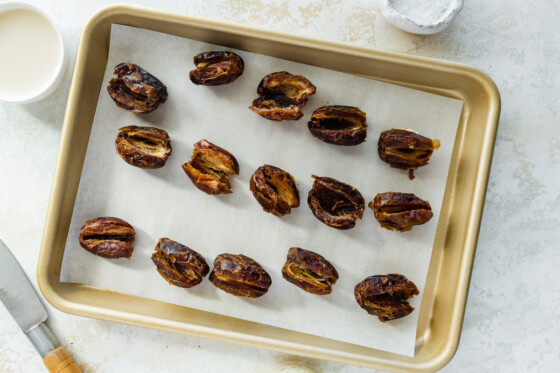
210	168
136	90
405	149
335	203
143	147
275	190
240	275
309	271
339	125
107	237
400	211
216	68
178	264
281	96
385	296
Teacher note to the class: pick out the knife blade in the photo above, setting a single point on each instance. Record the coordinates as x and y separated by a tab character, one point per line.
17	293
23	303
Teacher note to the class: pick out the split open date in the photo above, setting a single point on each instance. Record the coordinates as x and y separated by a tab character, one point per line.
275	190
136	90
282	95
108	237
143	147
405	149
216	68
309	271
240	275
210	168
400	211
335	203
339	125
178	264
385	296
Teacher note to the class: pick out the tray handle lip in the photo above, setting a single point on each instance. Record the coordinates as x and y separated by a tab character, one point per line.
448	351
395	57
50	284
201	331
400	58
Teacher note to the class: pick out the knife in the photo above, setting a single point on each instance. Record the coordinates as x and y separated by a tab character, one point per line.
19	297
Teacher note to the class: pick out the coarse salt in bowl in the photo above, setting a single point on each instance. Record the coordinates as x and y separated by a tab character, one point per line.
421	16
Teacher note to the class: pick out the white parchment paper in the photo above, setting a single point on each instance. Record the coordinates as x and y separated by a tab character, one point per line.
164	203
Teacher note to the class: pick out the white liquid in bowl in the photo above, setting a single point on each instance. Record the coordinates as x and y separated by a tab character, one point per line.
30	53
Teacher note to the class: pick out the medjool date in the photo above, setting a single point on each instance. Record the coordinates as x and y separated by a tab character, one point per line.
385	296
335	203
339	125
136	90
210	167
143	147
309	271
405	149
275	190
240	275
178	264
400	211
281	96
216	68
107	237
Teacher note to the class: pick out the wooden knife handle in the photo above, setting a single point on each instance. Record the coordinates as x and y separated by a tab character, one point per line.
60	361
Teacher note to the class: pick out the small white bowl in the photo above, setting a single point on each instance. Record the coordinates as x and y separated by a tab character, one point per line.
57	74
426	28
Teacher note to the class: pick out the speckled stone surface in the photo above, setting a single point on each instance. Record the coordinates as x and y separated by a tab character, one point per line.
511	322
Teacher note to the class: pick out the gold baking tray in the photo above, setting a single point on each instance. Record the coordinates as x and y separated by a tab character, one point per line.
443	302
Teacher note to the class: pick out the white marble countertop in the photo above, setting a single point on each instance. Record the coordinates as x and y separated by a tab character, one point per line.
512	323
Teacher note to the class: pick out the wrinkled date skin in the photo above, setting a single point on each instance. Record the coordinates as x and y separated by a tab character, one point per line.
339	125
240	275
309	271
275	190
178	264
400	211
107	237
136	90
385	296
216	68
334	203
210	167
405	149
143	147
281	96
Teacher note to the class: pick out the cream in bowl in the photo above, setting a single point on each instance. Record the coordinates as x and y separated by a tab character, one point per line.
33	61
